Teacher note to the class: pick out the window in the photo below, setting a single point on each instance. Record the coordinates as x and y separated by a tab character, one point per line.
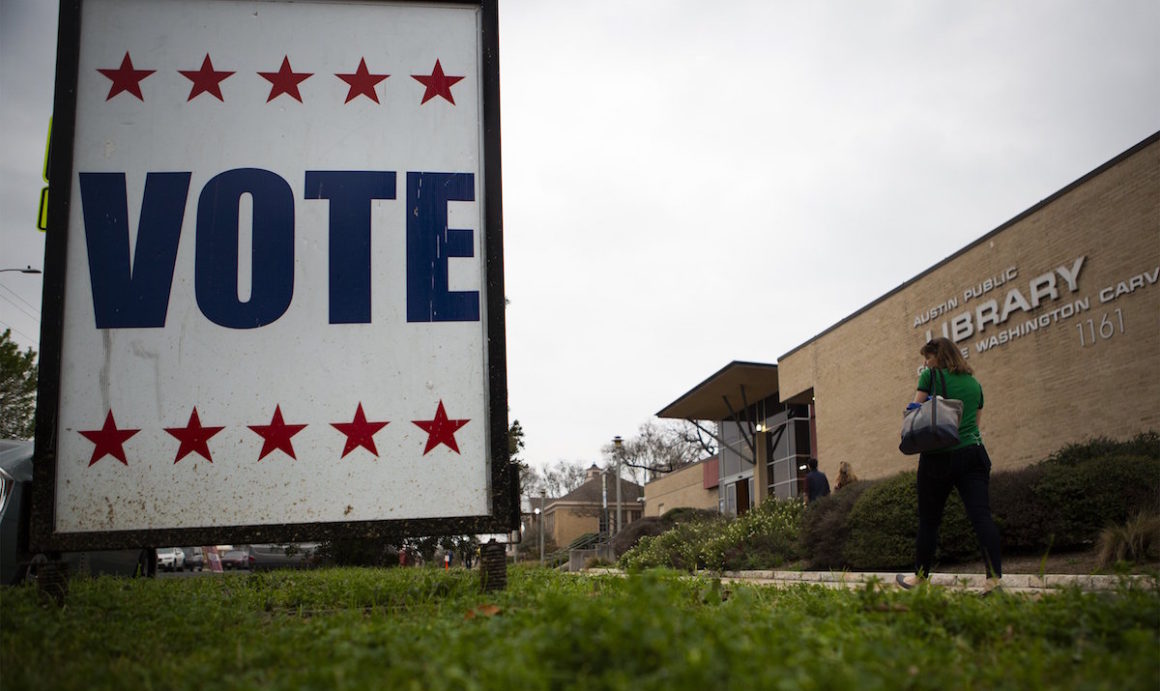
788	450
733	462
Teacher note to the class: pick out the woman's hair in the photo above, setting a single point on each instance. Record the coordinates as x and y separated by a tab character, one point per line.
947	355
845	475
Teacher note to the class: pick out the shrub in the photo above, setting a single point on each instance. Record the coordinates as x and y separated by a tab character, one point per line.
677	548
683	514
826	526
764	537
1077	498
759	552
884	522
1062	502
1021	520
1146	444
628	538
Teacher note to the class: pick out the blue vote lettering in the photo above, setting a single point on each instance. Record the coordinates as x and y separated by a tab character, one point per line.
136	294
216	262
350	194
132	296
430	243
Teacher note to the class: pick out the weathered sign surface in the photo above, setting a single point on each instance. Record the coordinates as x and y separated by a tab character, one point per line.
275	273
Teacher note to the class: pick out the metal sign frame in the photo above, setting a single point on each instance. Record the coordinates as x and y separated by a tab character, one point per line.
501	475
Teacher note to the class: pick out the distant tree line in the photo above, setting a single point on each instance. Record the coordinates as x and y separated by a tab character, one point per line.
17	389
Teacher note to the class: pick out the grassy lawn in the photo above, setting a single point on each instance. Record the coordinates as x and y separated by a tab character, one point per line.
427	629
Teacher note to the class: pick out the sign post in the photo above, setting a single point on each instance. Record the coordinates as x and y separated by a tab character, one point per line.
274	280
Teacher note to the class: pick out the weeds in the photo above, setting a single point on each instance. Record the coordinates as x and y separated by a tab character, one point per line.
1136	540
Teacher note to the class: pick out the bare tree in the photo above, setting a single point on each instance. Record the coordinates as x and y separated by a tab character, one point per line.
554	480
695	435
661	447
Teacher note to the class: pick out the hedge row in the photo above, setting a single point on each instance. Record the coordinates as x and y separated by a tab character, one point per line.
1059	504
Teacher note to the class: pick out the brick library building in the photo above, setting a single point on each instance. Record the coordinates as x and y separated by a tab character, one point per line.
1057	311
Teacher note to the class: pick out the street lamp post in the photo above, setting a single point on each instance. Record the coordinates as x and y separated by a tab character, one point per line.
539	528
617	446
543	495
604	500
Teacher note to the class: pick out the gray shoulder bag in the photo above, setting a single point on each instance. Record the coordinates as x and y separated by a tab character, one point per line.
935	424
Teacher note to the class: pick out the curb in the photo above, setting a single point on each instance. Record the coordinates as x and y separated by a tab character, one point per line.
1012	583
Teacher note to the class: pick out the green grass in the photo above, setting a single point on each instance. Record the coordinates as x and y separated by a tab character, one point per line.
427	629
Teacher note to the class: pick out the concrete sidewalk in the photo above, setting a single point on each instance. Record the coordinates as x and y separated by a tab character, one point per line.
1012	583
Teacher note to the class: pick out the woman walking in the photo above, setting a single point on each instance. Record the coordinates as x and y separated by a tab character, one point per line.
964	466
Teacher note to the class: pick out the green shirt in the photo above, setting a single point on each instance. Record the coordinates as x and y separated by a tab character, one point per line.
960	387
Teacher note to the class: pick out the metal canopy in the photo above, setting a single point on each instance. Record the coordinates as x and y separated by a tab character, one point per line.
725	393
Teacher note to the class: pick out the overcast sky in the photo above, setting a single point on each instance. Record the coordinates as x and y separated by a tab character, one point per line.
690	183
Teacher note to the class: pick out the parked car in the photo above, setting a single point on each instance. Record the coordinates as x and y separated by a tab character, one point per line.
170	559
194	558
15	559
236	559
283	556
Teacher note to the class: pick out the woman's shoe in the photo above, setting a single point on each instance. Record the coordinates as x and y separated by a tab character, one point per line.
908	582
993	585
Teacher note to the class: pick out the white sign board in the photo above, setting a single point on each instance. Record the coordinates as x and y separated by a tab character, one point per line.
279	271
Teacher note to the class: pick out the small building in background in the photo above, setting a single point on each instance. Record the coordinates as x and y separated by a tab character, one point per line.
581	511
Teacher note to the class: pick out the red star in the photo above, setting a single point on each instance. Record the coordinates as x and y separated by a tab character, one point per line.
285	81
193	437
125	78
438	84
276	435
359	432
205	80
440	430
109	440
362	82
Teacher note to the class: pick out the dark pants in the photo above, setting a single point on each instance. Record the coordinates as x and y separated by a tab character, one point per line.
969	471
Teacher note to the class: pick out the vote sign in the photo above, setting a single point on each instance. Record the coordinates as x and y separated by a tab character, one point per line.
274	295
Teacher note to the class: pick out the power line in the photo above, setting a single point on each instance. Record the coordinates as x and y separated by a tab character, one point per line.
20	309
17	296
16	330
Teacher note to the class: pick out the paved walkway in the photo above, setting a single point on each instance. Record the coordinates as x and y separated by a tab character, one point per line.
1012	583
